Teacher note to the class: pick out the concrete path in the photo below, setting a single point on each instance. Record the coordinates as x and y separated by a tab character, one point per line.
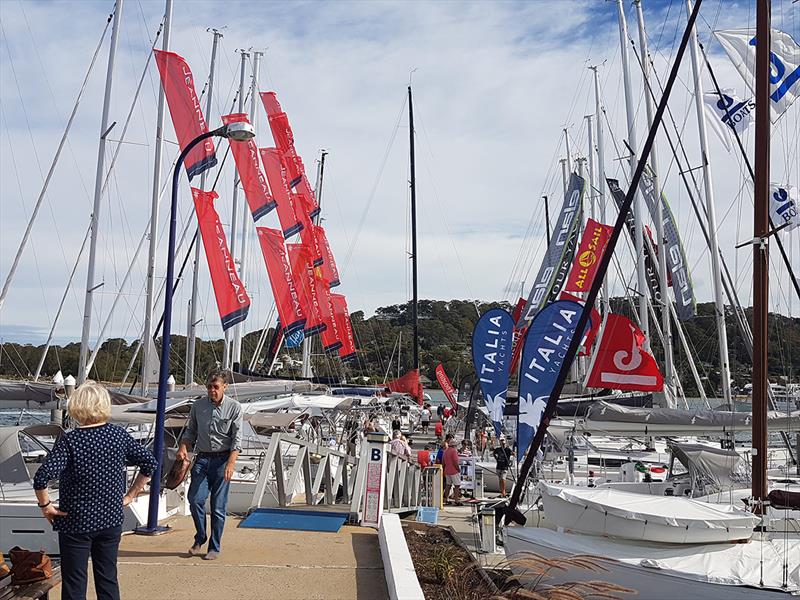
255	564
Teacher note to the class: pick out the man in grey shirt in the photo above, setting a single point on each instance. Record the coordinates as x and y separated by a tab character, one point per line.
215	431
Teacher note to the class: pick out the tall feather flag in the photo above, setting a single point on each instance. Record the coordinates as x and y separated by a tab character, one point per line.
446	385
254	184
348	350
491	357
284	288
303	275
276	175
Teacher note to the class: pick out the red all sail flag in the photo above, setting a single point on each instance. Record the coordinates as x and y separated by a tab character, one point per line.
329	269
303	275
620	362
284	288
184	107
232	299
276	175
256	188
284	140
595	319
593	244
446	385
408	384
342	316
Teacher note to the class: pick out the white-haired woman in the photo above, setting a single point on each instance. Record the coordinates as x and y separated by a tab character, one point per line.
89	463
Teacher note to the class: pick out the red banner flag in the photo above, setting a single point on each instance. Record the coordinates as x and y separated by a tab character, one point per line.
331	336
593	244
308	234
408	384
595	320
329	269
620	362
276	175
184	107
232	299
518	336
245	154
342	316
284	289
446	385
303	275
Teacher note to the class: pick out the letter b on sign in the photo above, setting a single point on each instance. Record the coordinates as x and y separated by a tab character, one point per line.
376	455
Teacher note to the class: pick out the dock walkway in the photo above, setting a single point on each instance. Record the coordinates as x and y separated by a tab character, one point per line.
255	564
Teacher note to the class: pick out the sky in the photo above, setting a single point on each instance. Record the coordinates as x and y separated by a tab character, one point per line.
495	84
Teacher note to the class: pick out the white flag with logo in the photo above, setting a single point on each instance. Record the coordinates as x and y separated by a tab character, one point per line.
740	45
783	206
728	112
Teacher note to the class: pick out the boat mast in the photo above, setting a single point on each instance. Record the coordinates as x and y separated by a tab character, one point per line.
98	188
761	254
590	157
666	328
719	303
151	252
191	325
644	317
601	172
413	185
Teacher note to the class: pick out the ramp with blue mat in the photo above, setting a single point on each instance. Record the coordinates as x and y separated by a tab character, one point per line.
298	520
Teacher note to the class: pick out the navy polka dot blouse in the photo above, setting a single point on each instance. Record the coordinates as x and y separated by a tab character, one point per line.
89	463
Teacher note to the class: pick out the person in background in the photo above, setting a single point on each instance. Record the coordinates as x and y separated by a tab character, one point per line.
464	450
396	423
398	446
452	473
438	429
215	431
425	418
352	435
440	411
424	457
502	455
89	462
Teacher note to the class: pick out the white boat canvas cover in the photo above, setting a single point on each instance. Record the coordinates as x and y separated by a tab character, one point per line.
712	468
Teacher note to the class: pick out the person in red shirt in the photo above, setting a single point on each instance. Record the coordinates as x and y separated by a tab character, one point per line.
424	457
438	429
452	472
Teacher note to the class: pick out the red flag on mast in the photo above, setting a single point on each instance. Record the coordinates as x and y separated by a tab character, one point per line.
587	259
276	175
303	275
232	299
245	154
446	385
329	269
284	288
184	108
408	384
342	316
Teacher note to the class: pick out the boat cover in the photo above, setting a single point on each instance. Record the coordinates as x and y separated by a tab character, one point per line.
664	510
708	466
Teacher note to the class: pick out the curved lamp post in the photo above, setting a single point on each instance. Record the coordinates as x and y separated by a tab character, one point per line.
238	132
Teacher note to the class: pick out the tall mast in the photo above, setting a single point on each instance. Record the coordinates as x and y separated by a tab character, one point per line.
569	153
590	156
644	317
236	351
719	304
601	171
666	329
191	325
761	254
151	253
413	184
98	192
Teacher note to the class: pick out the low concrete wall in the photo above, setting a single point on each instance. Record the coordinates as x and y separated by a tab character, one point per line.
401	579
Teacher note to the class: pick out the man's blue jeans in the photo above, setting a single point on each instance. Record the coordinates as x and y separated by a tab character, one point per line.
208	477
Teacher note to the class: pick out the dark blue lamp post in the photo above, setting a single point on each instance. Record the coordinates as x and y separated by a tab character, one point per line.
238	132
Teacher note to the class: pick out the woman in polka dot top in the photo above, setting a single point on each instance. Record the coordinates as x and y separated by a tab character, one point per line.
89	463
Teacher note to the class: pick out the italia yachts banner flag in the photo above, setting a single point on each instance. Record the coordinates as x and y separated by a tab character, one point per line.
284	288
783	206
784	58
276	175
184	108
232	299
256	188
329	269
491	356
728	113
620	362
303	274
546	345
595	321
558	258
342	316
446	385
677	265
593	244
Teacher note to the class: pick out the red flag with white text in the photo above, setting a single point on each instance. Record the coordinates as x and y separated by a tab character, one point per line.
329	269
342	316
276	175
254	183
446	385
331	337
621	363
303	275
587	259
232	299
184	108
284	288
518	336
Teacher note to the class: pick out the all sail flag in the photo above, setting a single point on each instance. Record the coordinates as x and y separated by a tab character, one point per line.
284	288
728	113
329	269
546	344
254	184
784	58
232	299
783	206
491	357
593	244
558	258
446	385
276	175
518	336
408	384
348	350
303	274
620	362
184	108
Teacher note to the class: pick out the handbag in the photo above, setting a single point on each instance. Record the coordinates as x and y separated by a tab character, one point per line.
28	566
177	473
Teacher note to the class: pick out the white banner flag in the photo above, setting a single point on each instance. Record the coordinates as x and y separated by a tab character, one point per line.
728	112
783	206
740	45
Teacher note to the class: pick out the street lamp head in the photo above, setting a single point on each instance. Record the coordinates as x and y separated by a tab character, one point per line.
239	132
